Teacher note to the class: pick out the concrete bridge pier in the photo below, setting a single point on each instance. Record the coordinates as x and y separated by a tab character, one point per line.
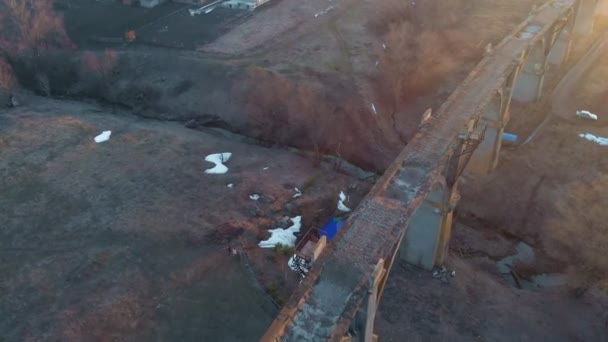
529	82
426	240
495	117
561	49
585	17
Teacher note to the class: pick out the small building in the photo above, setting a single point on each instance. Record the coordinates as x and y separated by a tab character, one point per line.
151	3
192	2
244	4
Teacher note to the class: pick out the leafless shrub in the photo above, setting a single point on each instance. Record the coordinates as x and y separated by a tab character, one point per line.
424	15
31	25
28	31
422	45
414	61
7	76
388	12
580	228
95	72
287	112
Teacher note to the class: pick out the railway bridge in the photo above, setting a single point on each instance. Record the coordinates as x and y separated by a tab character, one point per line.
408	213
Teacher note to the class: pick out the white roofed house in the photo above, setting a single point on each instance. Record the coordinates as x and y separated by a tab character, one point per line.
244	4
151	3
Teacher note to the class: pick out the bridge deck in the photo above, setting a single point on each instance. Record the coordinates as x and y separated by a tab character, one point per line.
325	304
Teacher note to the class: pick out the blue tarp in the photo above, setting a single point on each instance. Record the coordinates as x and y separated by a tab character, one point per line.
331	228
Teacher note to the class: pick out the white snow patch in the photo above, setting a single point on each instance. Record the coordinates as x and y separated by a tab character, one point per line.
599	140
374	109
585	114
230	185
218	159
284	236
104	136
297	193
341	205
266	168
254	197
324	12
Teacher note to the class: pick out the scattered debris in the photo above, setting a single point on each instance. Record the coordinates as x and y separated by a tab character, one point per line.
230	185
516	278
297	193
300	265
428	114
218	159
232	251
283	236
104	136
374	109
442	273
12	101
255	197
331	228
341	200
266	168
585	114
508	137
599	140
254	211
488	49
384	46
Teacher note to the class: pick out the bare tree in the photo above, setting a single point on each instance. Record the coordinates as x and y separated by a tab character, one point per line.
7	77
289	112
96	71
31	25
418	52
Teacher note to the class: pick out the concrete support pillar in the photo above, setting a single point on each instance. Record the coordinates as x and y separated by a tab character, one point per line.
529	83
495	117
602	9
428	233
585	16
362	327
561	48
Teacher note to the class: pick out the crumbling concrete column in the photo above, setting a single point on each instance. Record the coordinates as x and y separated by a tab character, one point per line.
529	83
428	233
561	48
585	17
495	118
